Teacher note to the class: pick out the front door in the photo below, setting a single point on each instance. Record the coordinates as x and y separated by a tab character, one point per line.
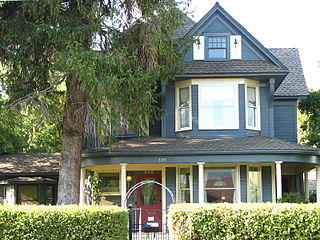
149	201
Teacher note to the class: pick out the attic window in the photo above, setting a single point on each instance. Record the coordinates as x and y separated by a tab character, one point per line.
217	47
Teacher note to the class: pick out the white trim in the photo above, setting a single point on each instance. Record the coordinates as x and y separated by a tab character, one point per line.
201	181
306	185
164	195
318	183
198	48
123	183
236	105
279	180
273	181
253	84
82	183
238	184
178	86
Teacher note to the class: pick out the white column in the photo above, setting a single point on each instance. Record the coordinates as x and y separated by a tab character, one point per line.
306	185
278	180
318	183
123	183
201	182
82	181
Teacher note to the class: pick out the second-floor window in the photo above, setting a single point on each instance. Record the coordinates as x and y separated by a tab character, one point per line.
218	106
217	47
183	113
253	110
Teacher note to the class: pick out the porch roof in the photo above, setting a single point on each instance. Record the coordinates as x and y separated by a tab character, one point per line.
29	163
256	144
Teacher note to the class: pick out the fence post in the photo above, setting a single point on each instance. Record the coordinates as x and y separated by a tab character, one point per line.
130	221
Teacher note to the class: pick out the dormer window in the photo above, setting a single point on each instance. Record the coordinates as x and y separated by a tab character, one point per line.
217	47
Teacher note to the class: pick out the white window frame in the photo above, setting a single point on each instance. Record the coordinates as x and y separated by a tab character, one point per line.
236	109
248	183
177	115
257	115
178	188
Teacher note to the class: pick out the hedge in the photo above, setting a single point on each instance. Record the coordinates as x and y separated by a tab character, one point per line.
63	222
245	221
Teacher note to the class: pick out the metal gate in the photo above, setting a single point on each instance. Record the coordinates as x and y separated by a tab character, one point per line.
146	230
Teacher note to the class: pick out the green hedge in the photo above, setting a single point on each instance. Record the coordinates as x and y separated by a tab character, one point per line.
245	221
63	222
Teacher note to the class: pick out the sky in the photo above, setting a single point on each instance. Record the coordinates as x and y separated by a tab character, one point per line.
277	24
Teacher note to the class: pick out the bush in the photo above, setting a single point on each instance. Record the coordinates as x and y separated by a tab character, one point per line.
245	221
292	197
63	222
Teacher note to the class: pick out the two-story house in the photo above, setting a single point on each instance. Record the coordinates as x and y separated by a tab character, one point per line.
230	129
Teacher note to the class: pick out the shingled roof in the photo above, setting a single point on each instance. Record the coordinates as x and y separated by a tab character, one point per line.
230	67
252	144
294	84
29	163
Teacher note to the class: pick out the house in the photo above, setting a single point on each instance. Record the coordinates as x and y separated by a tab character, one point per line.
29	178
230	129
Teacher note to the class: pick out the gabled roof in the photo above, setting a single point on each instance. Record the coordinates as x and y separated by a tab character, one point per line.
294	85
29	163
218	9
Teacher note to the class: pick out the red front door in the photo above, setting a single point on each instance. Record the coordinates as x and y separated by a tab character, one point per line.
149	201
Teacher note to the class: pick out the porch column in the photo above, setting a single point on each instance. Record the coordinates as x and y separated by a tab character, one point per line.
201	182
82	181
278	180
123	183
306	185
318	183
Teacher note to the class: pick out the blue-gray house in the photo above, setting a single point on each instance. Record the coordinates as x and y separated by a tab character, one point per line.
230	129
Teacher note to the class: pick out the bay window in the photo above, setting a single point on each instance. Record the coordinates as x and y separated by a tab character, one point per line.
218	106
183	108
220	185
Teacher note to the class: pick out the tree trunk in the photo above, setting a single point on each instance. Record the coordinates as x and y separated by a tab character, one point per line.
72	142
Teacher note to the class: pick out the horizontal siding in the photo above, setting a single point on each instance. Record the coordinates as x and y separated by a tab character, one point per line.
266	184
243	183
285	120
170	183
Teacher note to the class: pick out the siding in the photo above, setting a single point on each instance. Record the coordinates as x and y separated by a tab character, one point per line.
171	183
243	183
266	184
285	120
195	184
170	111
265	110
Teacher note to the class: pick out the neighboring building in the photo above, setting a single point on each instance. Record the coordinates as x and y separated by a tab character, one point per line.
230	129
29	178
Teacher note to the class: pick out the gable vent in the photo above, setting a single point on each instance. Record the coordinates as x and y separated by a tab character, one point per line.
198	48
235	47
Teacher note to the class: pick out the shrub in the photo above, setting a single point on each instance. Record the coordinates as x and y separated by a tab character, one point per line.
292	197
63	222
245	221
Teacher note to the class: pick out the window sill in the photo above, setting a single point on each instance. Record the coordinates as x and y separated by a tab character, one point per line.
218	129
253	128
184	129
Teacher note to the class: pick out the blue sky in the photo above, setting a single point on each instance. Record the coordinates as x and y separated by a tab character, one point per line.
278	23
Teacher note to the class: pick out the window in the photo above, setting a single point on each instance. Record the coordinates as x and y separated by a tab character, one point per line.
110	182
183	108
255	184
217	47
51	193
253	111
218	108
184	185
220	185
28	194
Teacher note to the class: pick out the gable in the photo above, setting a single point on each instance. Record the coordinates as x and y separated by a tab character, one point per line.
218	22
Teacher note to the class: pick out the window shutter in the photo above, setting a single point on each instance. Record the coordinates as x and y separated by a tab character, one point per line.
198	48
235	47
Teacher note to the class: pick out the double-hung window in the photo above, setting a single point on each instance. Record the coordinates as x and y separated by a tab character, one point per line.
255	184
219	107
183	108
184	181
217	47
252	109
